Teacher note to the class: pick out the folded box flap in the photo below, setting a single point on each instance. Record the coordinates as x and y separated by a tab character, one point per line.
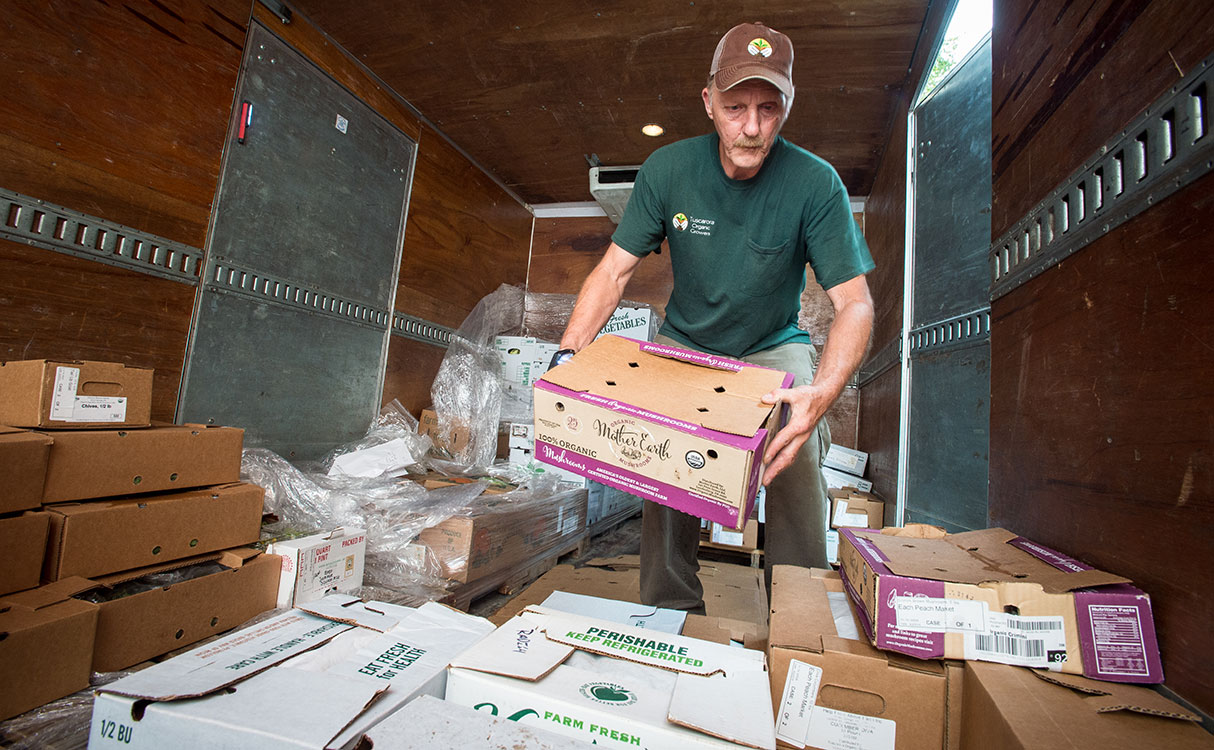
713	392
218	664
735	707
676	653
1107	697
978	557
800	612
516	649
354	611
49	594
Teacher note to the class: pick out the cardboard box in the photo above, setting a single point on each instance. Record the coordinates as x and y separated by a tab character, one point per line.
450	441
854	509
429	723
88	464
107	536
846	459
23	540
502	535
830	688
1010	708
634	323
746	540
48	645
836	479
521	441
73	395
151	622
319	678
23	457
681	428
315	566
616	685
994	596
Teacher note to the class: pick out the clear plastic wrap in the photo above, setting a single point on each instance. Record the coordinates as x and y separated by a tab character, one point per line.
152	581
394	425
509	532
467	391
546	315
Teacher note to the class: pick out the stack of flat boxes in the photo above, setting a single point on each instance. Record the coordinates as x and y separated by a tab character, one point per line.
94	499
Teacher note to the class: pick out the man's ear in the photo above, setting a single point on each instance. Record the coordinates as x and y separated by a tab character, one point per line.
706	95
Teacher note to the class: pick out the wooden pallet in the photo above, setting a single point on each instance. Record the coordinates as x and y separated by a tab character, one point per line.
726	553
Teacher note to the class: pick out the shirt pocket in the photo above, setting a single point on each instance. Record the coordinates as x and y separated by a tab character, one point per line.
764	268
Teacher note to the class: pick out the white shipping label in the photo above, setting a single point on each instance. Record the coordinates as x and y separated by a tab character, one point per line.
98	409
939	615
797	706
63	398
1021	640
830	729
722	535
845	518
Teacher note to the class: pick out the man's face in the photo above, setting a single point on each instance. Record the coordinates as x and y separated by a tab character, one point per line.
747	118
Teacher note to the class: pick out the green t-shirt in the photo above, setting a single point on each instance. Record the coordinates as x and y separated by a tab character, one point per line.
739	247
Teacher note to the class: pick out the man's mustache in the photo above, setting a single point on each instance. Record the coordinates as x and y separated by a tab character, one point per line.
744	141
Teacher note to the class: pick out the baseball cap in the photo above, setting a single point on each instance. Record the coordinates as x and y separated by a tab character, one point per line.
752	50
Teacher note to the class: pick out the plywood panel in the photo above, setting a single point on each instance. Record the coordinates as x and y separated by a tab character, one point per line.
565	250
1101	431
877	434
1065	81
58	306
464	236
531	88
410	372
94	115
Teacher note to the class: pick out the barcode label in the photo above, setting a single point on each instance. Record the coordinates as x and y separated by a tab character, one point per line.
1025	641
1007	645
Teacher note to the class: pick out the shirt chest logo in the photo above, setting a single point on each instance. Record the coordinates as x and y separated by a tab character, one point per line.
684	223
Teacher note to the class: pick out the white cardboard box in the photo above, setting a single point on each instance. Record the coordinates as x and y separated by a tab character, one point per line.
432	724
312	679
846	459
321	564
626	613
837	480
617	685
630	322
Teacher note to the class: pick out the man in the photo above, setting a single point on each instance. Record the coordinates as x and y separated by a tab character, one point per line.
744	211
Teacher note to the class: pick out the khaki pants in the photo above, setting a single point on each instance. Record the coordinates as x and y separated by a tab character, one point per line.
796	509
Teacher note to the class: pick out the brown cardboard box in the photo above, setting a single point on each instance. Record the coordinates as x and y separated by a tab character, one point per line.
48	645
994	596
501	535
851	508
678	427
74	394
104	463
824	682
23	457
749	537
153	622
107	536
452	443
23	541
1013	708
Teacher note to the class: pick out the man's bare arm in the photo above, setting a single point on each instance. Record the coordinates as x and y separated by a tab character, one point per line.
846	343
600	295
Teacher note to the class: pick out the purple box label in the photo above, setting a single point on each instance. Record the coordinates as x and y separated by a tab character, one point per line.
639	485
1117	637
910	642
699	358
1049	556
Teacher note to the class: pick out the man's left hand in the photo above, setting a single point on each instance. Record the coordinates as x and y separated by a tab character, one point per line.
806	405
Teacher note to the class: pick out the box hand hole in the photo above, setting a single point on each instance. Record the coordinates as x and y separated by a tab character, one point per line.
711	453
702	408
610	382
719	389
633	364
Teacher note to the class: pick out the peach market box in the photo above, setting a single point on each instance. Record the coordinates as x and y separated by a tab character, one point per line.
678	427
991	595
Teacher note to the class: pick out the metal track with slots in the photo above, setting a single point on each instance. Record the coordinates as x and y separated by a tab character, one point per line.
951	333
420	329
225	277
41	224
1165	148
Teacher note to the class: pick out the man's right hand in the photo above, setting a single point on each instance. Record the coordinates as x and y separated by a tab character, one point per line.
560	357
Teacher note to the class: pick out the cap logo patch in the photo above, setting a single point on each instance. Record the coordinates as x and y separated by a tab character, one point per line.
759	47
680	221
